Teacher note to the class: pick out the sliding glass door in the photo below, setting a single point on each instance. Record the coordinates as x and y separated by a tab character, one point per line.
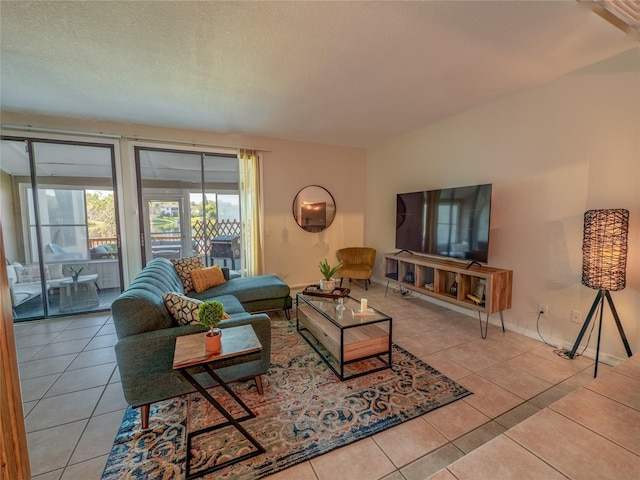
165	226
190	205
59	201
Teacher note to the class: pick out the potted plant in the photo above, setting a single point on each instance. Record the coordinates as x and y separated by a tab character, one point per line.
210	314
328	284
75	273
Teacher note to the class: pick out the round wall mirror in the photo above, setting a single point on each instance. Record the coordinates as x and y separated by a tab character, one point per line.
314	208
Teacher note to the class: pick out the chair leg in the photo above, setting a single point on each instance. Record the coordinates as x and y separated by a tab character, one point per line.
366	284
144	415
386	289
258	379
341	279
287	312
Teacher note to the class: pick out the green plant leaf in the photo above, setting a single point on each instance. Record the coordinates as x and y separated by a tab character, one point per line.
211	313
327	271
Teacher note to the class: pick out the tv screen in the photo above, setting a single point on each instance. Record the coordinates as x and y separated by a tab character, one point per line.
450	222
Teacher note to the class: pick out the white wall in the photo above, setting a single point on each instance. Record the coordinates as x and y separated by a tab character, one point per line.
551	153
290	252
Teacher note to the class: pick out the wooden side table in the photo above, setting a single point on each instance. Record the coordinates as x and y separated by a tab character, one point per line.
240	343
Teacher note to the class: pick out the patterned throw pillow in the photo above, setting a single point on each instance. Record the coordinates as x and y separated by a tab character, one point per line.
184	266
30	274
204	278
183	309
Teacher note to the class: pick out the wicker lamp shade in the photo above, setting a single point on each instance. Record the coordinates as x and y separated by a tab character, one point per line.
604	249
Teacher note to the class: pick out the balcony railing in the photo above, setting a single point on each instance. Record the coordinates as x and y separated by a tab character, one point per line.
199	234
94	242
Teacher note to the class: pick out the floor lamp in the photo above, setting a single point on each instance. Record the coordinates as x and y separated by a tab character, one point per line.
604	265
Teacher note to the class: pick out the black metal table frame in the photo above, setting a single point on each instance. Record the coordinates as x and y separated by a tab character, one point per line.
340	373
230	421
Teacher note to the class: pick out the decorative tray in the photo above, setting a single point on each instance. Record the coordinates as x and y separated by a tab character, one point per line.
314	291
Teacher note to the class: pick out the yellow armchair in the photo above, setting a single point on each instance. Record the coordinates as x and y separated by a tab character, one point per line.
357	264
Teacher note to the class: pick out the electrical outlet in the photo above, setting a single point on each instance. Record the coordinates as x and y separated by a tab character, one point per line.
542	310
576	316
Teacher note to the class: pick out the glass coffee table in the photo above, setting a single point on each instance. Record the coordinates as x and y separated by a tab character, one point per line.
350	342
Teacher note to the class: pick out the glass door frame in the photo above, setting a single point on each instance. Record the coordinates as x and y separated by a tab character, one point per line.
30	142
186	212
148	254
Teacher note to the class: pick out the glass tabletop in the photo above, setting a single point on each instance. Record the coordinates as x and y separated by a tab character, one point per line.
349	316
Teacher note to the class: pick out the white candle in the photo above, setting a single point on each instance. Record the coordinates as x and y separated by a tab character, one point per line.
363	305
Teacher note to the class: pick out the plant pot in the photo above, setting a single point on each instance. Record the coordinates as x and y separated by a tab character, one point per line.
212	340
74	278
327	285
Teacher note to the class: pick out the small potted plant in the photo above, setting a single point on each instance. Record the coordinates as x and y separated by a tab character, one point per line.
210	314
328	283
75	273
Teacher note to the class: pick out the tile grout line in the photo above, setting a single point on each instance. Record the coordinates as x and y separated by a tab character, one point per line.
88	419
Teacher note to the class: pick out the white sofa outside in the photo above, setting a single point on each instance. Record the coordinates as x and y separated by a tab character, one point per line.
25	282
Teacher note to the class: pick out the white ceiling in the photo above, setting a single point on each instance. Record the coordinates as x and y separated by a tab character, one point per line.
343	73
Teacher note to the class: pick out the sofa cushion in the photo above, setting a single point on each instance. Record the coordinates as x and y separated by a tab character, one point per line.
99	249
12	276
55	271
231	304
248	289
204	278
184	266
183	309
29	274
139	310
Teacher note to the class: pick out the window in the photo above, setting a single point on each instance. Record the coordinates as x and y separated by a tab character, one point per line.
63	221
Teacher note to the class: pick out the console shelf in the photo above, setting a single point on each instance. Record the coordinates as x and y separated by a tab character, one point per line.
483	289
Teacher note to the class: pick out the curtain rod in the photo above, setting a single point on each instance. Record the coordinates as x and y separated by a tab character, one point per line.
138	138
28	128
193	143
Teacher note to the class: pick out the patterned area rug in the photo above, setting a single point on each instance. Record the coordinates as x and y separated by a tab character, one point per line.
305	412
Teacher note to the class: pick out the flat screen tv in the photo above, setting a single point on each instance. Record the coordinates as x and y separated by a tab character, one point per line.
449	222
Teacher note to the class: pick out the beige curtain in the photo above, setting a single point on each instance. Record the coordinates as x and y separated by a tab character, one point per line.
251	213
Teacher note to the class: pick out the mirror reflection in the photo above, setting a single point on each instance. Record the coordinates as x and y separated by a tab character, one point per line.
314	209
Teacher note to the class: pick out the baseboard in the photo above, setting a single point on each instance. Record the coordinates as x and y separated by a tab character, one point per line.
495	320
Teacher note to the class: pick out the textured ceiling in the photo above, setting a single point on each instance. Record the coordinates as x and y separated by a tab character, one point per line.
344	73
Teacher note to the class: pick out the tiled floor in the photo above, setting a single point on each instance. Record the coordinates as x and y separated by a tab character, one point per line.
74	404
591	433
73	400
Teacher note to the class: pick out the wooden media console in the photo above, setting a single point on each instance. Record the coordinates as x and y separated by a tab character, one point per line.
476	287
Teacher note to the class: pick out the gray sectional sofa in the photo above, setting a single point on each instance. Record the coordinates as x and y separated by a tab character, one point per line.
147	332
